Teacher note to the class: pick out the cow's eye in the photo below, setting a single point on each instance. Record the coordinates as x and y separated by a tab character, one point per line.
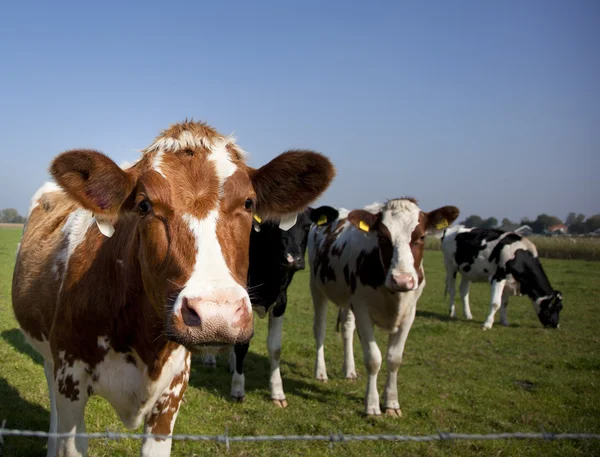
144	207
249	204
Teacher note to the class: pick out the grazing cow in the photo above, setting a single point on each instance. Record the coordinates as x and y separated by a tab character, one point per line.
121	272
505	259
371	262
275	255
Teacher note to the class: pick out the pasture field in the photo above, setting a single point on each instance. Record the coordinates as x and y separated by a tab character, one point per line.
552	247
455	377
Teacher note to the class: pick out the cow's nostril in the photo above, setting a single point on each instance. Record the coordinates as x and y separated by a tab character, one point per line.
189	314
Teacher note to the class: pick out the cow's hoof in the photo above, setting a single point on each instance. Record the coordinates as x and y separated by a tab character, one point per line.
321	378
452	316
238	399
505	324
210	365
391	412
486	327
469	317
280	403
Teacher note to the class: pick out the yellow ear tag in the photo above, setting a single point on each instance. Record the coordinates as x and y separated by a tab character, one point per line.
257	218
442	225
322	220
363	226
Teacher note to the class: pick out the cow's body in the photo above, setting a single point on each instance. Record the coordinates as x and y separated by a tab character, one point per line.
275	256
505	259
120	272
370	265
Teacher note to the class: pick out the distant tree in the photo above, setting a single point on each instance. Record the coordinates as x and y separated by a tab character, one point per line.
490	222
592	223
472	221
11	215
507	224
573	219
542	222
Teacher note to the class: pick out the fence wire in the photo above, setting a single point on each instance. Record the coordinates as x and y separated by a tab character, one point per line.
332	438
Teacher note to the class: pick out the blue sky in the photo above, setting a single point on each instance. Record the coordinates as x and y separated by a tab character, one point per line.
491	106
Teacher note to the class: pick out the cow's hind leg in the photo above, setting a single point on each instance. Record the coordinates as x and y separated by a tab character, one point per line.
319	326
395	350
497	292
238	380
49	372
503	308
348	326
465	285
162	416
451	289
372	359
209	360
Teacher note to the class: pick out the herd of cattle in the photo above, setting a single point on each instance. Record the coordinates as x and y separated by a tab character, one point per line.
121	272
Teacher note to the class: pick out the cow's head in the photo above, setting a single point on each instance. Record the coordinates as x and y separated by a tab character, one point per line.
187	206
548	309
288	247
401	228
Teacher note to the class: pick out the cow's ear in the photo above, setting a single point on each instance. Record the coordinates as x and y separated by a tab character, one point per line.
93	180
441	218
290	182
364	220
323	215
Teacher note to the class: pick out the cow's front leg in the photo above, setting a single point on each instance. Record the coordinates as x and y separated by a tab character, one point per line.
372	358
70	395
465	285
274	347
395	350
238	381
319	326
497	291
161	418
348	326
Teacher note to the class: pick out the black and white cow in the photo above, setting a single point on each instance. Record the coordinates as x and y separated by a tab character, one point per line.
370	264
275	256
505	259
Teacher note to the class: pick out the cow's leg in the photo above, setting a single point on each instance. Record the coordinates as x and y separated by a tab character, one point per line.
161	419
274	347
348	326
71	396
395	350
451	288
503	308
465	285
209	360
319	326
49	372
497	291
372	358
237	380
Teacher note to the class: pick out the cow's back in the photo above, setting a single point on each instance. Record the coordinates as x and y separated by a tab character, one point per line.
39	268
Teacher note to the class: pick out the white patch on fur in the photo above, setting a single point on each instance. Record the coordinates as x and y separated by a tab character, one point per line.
157	162
401	217
128	387
46	188
222	160
210	276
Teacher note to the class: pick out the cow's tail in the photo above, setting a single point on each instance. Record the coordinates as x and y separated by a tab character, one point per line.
338	323
446	289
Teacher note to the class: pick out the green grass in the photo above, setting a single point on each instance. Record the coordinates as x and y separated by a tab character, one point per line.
455	377
552	247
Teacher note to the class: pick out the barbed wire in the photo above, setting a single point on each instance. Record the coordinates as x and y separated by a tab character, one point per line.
332	438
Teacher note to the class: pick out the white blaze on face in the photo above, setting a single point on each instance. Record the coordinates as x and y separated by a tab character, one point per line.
401	217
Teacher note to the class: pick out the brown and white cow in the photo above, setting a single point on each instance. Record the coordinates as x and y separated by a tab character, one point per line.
370	264
121	272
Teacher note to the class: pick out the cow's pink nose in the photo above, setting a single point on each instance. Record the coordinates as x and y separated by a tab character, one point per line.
403	281
207	314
